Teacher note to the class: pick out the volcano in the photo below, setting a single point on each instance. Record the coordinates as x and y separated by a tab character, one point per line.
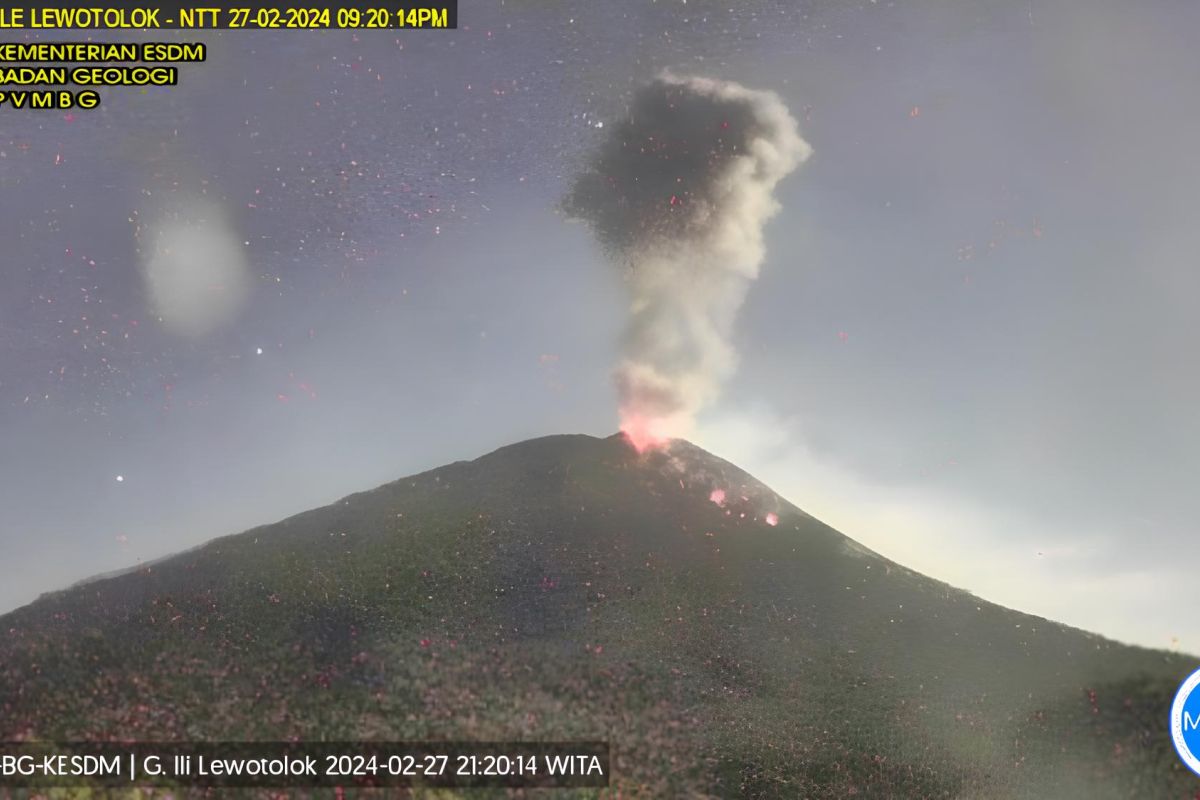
723	641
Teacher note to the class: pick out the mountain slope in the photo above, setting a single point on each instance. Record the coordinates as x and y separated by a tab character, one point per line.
726	643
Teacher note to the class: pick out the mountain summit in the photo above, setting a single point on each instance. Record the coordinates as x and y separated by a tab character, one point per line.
726	643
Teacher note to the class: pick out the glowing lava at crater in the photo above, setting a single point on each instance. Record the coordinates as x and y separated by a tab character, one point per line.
644	434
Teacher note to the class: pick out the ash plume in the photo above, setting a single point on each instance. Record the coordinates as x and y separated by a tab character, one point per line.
678	195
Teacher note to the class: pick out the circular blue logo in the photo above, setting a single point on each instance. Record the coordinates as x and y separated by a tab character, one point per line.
1185	722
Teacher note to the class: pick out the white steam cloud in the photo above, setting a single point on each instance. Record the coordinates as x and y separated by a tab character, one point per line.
679	194
194	268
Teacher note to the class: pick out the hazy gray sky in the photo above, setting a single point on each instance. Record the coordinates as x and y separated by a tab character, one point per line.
971	346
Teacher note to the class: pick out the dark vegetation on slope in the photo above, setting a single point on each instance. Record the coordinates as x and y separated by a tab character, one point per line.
566	588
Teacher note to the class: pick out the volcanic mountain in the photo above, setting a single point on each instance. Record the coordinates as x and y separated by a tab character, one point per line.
726	643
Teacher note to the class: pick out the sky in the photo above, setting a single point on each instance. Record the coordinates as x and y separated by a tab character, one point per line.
971	346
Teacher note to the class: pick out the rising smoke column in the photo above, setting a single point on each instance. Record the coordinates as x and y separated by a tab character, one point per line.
678	195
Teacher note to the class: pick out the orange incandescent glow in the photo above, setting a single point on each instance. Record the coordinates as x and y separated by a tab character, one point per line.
643	434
